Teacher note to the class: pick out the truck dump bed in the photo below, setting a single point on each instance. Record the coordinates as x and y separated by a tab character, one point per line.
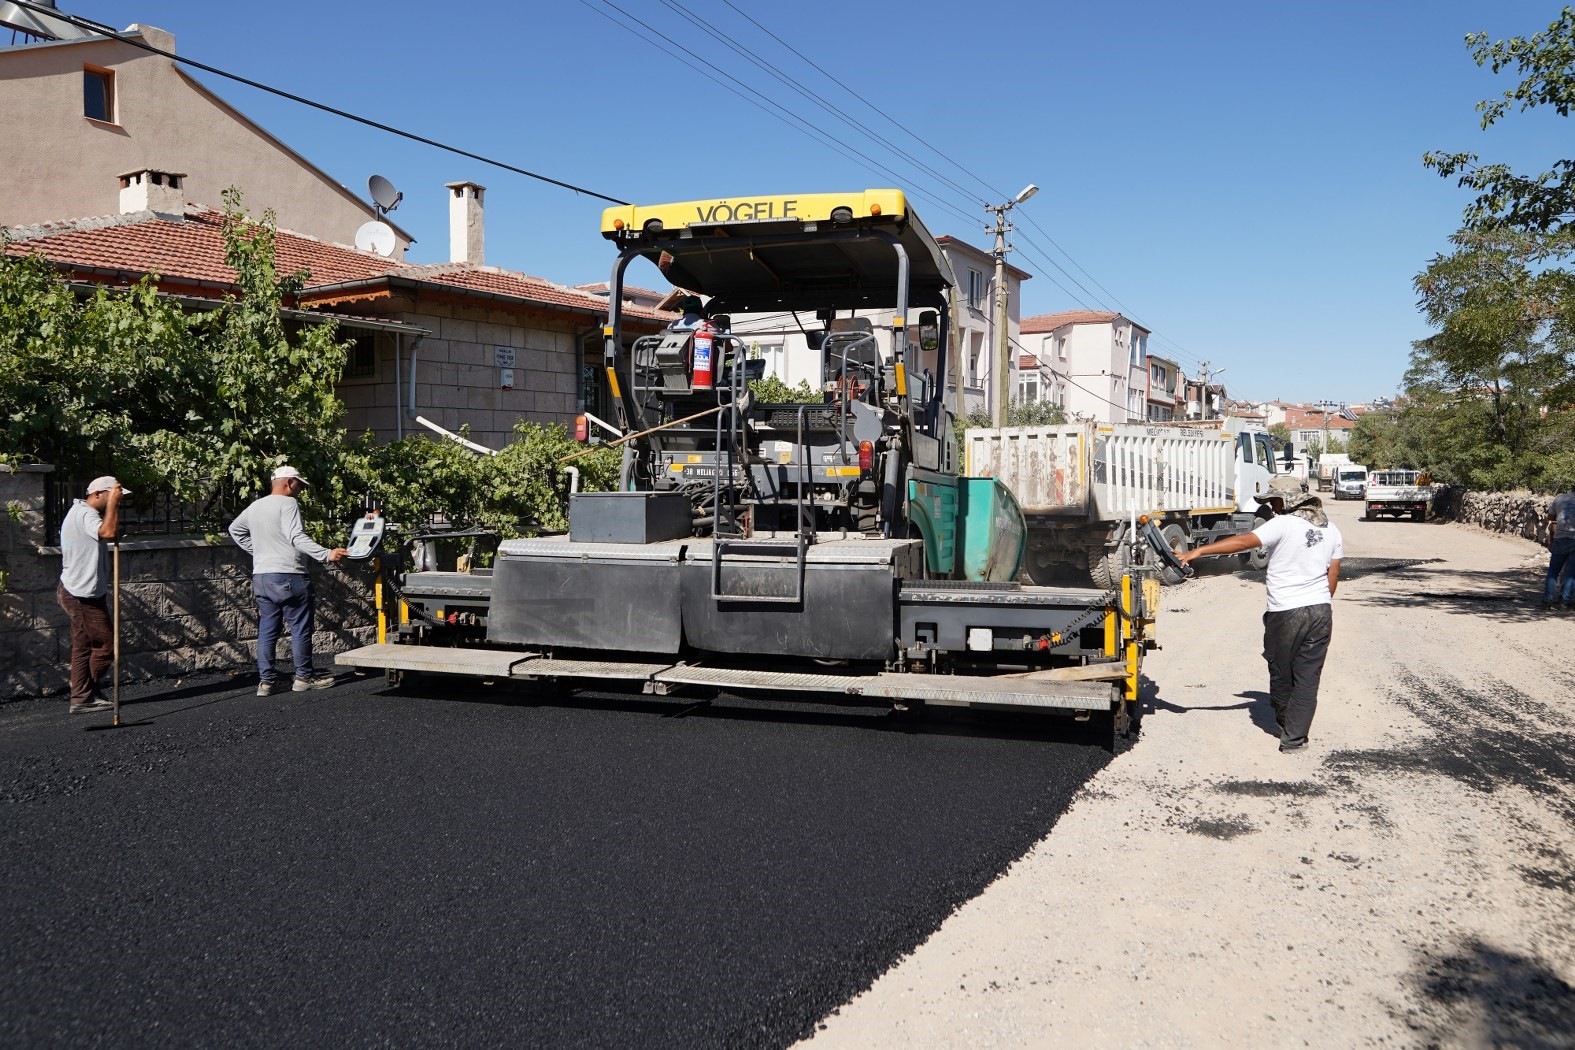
1107	471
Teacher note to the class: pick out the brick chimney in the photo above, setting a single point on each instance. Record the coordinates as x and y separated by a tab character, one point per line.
464	222
148	189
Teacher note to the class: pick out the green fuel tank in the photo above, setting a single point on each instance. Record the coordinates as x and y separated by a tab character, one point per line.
973	528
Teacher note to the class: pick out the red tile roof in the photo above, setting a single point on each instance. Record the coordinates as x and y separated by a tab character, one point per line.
1304	419
1041	323
193	250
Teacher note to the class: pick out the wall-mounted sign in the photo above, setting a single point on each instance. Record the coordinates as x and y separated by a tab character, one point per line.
503	356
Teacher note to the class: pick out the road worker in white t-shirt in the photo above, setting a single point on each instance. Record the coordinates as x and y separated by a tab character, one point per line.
1304	570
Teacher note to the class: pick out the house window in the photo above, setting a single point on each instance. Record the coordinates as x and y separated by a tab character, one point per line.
98	95
1028	389
362	360
975	288
1060	347
773	355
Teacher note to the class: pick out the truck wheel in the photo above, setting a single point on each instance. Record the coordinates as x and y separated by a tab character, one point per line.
1256	559
1175	538
1106	566
1419	515
1042	569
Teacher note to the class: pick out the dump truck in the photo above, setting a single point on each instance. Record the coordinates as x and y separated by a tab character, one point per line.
830	548
1084	487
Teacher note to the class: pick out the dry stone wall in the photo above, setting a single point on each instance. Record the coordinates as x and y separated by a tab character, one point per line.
185	603
1515	513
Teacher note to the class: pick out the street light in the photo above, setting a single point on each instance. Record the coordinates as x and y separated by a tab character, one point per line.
1003	362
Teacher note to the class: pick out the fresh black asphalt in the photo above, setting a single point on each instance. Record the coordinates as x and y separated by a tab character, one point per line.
465	865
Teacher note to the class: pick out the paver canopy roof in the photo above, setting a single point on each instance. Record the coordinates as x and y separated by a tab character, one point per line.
794	252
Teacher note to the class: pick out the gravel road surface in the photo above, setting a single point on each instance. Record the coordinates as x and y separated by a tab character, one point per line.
481	868
1408	881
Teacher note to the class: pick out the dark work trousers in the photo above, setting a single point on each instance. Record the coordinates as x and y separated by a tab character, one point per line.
1294	644
92	642
283	597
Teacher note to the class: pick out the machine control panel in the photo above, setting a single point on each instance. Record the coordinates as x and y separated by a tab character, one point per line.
366	536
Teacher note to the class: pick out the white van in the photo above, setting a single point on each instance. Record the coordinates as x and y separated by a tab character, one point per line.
1350	481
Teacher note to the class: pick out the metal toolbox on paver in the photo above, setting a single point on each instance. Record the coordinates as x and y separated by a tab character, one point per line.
629	517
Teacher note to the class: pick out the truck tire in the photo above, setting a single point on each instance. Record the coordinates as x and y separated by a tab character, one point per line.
1106	565
1044	570
1256	559
1419	515
1175	538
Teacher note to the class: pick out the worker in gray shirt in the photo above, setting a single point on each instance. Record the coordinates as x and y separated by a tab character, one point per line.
84	587
270	530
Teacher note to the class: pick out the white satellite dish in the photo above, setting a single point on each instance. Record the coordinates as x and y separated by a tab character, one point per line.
383	193
375	236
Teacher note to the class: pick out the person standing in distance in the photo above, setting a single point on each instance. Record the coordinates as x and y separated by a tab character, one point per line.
1561	551
270	530
84	585
1304	570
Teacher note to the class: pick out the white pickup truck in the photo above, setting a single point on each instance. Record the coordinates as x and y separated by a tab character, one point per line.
1399	492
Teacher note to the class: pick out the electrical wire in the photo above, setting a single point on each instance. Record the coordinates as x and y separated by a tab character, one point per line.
784	114
106	31
817	99
761	101
993	192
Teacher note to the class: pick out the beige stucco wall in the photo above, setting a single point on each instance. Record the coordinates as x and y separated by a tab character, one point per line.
457	381
61	165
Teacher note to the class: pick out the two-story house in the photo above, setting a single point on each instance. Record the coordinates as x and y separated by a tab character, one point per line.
1164	390
1100	356
82	114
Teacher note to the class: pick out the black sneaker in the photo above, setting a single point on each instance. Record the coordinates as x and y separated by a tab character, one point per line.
99	704
1286	749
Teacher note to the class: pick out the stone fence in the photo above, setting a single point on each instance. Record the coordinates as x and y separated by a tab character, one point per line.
1515	513
185	603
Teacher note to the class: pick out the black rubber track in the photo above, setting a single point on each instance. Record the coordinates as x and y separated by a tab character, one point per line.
467	866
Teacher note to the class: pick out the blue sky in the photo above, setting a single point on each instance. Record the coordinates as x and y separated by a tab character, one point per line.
1243	179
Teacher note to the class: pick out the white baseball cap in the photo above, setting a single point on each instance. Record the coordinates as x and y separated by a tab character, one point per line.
288	473
106	483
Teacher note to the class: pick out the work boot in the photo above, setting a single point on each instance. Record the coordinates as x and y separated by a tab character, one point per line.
96	704
316	681
266	688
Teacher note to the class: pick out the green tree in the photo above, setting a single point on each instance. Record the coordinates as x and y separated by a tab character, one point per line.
1491	389
191	401
1543	203
771	390
1019	413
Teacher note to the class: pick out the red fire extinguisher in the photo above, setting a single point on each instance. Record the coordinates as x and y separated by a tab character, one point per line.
702	357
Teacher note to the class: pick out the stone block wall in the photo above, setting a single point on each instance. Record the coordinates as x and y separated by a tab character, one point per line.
1515	513
185	604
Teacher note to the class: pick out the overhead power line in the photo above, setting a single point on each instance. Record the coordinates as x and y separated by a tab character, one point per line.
106	31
